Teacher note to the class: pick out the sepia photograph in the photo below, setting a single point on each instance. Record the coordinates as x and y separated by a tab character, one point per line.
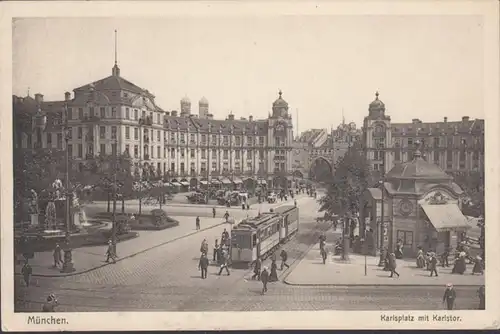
229	162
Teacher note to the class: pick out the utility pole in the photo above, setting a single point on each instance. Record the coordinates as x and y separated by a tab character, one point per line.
114	228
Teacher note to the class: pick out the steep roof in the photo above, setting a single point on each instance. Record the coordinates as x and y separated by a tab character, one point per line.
418	168
438	128
203	125
115	82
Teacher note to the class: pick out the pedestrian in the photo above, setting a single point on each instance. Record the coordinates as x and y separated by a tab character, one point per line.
323	254
213	211
226	216
295	202
433	264
203	265
57	256
204	247
392	264
224	263
449	296
256	269
420	257
26	271
197	223
284	257
216	249
444	258
110	253
478	266
50	304
248	206
274	272
264	277
481	294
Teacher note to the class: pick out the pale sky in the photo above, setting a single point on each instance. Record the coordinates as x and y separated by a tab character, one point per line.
425	67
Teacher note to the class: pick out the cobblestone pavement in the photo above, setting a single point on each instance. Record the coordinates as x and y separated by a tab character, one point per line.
167	279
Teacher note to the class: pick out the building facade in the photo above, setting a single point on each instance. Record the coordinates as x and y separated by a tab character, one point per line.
113	115
455	146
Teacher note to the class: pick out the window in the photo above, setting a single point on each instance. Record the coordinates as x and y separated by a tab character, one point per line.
91	111
225	141
70	133
249	154
127	113
70	150
191	155
203	139
113	132
191	167
80	150
261	141
172	153
237	140
261	155
225	167
183	141
158	118
113	112
49	139
182	153
172	167
59	140
183	170
80	132
80	113
158	152
102	111
136	114
152	151
397	155
103	149
214	166
136	151
436	157
191	138
214	139
406	237
410	142
127	148
127	132
225	154
136	133
158	135
237	155
436	141
203	154
249	140
203	167
449	156
113	149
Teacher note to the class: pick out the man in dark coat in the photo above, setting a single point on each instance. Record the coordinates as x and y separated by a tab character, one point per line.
274	272
284	257
197	223
433	264
256	269
224	264
203	265
449	296
213	211
226	216
26	271
216	250
57	256
264	277
392	264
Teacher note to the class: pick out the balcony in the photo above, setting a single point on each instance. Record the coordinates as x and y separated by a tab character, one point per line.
90	119
148	121
89	156
146	139
146	157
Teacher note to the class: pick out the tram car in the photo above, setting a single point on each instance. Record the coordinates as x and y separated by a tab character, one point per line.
260	236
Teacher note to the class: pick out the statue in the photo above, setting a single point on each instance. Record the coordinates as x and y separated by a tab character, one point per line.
33	207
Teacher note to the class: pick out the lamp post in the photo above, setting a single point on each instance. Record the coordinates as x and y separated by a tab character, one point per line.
113	228
68	265
381	259
141	122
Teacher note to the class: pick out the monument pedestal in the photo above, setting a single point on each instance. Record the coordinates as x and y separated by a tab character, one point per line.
34	219
68	265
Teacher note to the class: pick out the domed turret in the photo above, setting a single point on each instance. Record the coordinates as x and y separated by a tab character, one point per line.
377	107
280	107
185	105
203	108
203	101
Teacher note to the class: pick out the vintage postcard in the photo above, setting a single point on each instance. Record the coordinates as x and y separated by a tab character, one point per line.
249	165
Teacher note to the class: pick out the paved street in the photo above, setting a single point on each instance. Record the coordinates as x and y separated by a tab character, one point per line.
166	279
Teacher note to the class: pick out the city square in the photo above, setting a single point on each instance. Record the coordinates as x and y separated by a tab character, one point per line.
120	204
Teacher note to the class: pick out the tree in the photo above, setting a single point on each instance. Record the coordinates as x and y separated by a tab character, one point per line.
351	177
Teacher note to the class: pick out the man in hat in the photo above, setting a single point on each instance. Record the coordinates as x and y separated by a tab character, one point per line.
264	277
110	253
433	264
256	269
449	296
284	258
203	265
225	259
197	223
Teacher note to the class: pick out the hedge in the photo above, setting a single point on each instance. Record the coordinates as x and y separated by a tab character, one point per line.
156	221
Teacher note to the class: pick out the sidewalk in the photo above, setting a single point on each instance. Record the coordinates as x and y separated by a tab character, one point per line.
93	257
312	272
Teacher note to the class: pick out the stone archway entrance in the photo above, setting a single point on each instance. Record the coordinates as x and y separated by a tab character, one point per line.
280	182
321	170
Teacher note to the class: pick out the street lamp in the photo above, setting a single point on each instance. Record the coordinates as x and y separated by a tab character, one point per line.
68	265
113	228
141	123
381	259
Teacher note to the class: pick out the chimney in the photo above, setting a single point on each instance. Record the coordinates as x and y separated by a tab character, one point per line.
230	117
446	119
167	113
210	116
250	118
67	96
38	98
465	119
415	121
174	113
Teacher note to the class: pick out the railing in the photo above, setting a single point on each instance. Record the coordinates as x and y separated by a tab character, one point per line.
89	156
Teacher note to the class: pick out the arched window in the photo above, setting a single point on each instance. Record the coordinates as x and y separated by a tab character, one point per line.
379	129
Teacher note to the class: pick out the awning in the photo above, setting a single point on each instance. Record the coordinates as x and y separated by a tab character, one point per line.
446	217
261	181
215	181
167	184
226	181
204	182
185	183
177	184
237	180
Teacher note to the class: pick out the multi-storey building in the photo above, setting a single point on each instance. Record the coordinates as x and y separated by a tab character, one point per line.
456	147
113	115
